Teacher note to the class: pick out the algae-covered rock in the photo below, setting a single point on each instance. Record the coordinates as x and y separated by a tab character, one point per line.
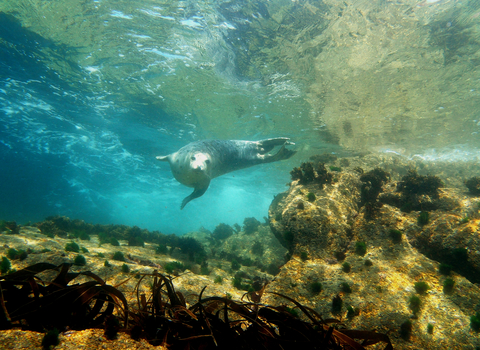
383	255
318	227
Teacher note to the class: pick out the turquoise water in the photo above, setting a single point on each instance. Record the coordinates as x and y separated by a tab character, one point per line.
92	91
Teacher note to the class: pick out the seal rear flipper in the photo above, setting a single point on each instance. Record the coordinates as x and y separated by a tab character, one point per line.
198	192
269	144
282	154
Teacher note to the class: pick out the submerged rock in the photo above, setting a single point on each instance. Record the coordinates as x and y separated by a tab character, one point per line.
371	259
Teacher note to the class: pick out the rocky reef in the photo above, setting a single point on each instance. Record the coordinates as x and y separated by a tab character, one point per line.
359	246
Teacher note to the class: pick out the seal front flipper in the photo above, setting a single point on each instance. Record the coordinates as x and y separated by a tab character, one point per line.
163	158
198	192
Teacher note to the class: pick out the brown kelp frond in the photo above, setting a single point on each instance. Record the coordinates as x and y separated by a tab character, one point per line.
163	316
33	306
210	322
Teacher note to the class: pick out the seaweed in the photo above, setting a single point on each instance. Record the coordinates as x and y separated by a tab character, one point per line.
222	231
315	287
337	304
304	256
193	248
473	185
312	173
50	339
118	256
445	269
360	248
72	247
372	183
414	304
257	248
14	254
406	330
220	322
9	227
395	235
162	315
28	303
5	265
345	287
423	218
430	328
80	260
174	267
421	287
250	225
414	184
475	322
311	197
346	267
448	285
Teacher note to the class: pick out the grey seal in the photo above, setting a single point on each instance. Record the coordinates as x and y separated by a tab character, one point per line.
195	164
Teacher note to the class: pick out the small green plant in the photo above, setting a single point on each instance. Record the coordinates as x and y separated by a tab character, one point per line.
315	287
304	256
5	265
100	255
161	249
273	269
395	235
360	248
218	280
311	197
475	322
464	220
414	304
337	304
421	287
107	264
50	339
84	250
204	270
430	328
113	241
406	330
340	256
125	268
235	265
335	168
423	218
448	285
345	287
292	311
346	267
14	254
257	248
351	312
118	256
80	260
445	269
368	263
72	247
172	266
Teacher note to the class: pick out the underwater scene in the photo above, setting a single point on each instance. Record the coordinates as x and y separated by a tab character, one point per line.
244	174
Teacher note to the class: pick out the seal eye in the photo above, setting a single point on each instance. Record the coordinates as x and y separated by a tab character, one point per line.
193	158
207	161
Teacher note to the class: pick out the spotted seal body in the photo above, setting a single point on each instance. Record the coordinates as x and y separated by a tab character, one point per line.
195	164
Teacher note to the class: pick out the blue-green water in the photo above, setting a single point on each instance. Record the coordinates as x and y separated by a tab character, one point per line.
92	91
